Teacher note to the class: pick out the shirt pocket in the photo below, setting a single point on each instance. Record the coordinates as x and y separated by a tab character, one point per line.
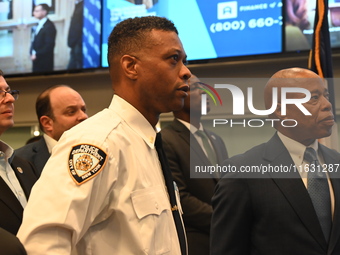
151	206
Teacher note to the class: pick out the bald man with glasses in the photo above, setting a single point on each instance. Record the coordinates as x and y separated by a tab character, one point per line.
17	176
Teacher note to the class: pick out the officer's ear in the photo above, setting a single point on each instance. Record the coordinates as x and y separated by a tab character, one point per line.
129	66
46	123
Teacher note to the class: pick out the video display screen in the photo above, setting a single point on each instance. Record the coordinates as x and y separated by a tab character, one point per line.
68	38
208	29
299	24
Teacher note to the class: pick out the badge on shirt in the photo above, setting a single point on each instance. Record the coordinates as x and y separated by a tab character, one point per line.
85	162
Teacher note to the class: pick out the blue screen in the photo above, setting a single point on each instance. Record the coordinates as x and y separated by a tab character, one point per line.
91	34
208	29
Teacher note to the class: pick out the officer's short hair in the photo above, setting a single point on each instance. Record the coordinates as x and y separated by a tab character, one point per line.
130	35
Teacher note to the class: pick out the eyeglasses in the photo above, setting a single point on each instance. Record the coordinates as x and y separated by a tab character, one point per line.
14	93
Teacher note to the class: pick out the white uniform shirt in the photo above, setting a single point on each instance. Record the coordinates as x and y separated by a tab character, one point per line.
118	205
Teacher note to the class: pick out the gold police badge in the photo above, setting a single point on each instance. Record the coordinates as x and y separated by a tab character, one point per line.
85	162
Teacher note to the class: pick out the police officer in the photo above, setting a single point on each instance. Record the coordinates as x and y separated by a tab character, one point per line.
102	190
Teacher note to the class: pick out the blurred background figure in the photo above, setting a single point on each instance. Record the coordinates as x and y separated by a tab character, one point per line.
297	13
148	3
184	142
75	37
58	109
42	47
296	22
33	139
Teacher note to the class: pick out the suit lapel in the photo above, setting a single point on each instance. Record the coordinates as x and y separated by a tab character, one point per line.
43	27
196	148
21	176
293	189
217	146
37	35
181	130
187	136
42	154
332	158
10	200
335	233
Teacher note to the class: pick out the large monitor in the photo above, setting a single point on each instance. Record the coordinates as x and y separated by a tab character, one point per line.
208	29
76	40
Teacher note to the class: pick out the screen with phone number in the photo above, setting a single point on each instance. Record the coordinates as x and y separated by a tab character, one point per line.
208	29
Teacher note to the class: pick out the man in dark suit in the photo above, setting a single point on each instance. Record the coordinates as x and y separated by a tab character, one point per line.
42	48
184	149
75	36
16	175
275	212
58	109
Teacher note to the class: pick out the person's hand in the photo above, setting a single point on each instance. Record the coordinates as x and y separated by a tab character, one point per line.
33	57
297	13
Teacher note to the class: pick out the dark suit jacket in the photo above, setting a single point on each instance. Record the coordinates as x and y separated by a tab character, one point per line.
270	215
10	208
75	33
10	244
36	153
43	43
196	193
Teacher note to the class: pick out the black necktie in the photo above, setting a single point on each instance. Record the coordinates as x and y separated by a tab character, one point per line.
318	189
171	190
